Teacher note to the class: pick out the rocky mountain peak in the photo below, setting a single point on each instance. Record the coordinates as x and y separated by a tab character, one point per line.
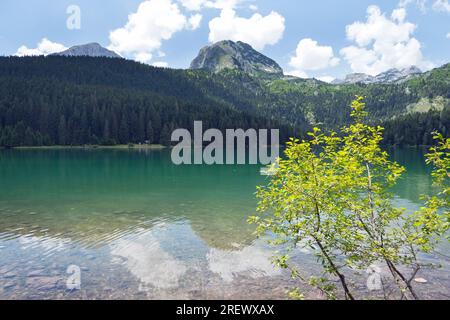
390	76
91	50
238	55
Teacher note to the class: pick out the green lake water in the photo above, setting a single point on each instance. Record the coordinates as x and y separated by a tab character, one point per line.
139	227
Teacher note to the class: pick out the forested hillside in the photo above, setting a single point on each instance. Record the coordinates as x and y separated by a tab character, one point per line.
82	100
76	101
328	104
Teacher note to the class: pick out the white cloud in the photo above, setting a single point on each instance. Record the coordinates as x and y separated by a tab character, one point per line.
437	5
44	47
197	5
258	31
378	27
448	35
404	3
421	4
327	79
309	55
160	64
253	261
253	7
194	21
297	73
193	5
399	15
441	5
222	4
149	262
383	43
154	22
360	59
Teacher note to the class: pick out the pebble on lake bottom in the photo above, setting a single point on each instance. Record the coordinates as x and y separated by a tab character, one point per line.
9	275
9	285
43	283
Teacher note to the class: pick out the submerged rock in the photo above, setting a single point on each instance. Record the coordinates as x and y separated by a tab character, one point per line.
36	273
10	275
9	285
44	283
420	280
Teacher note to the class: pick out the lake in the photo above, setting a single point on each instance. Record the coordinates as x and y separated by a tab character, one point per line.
139	227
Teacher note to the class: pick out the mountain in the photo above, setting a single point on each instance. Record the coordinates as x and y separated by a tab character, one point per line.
96	100
238	56
395	75
355	78
391	76
89	50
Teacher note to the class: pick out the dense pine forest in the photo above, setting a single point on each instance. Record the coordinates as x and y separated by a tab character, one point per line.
77	101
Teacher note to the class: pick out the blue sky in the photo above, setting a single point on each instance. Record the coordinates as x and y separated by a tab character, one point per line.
308	38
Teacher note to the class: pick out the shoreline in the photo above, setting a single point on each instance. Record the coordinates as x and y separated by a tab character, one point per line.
91	147
146	147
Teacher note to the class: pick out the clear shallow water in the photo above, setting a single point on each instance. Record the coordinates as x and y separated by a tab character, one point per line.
142	228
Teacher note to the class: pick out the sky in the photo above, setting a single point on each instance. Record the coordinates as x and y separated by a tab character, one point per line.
325	39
